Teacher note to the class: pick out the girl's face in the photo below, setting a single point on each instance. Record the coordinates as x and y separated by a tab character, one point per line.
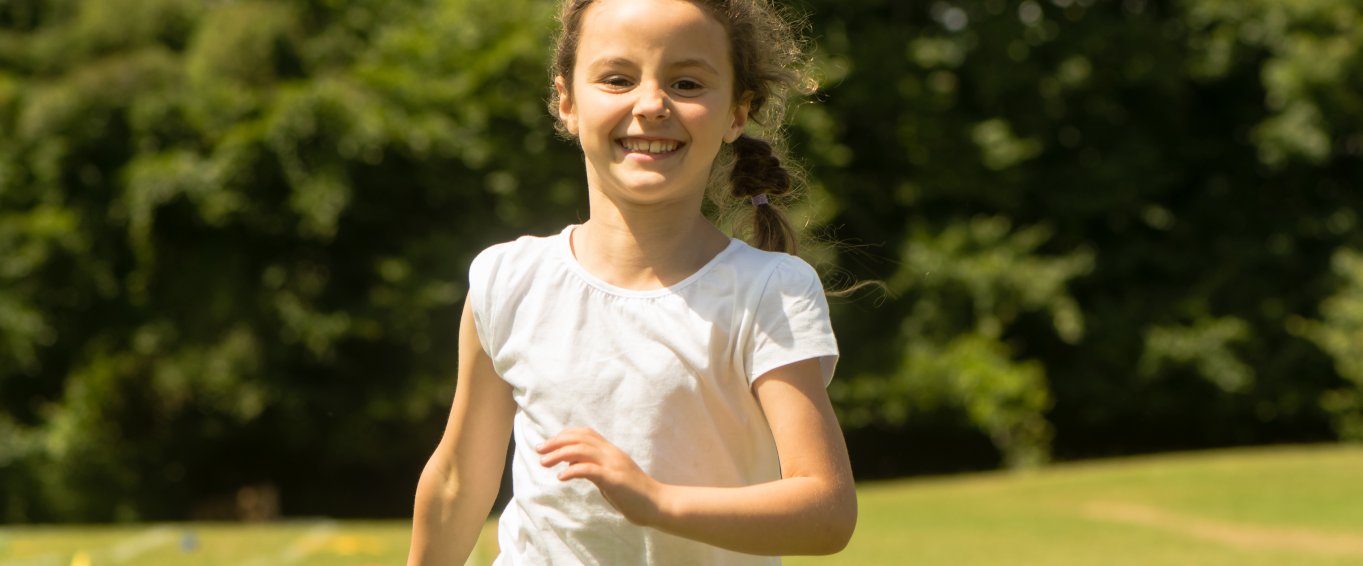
651	98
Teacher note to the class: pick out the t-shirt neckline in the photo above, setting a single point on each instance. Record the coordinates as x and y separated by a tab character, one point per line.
565	247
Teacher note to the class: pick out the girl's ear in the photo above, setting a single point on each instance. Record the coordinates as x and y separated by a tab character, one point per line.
566	112
740	118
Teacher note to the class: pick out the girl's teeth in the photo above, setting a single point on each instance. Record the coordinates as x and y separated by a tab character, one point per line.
650	146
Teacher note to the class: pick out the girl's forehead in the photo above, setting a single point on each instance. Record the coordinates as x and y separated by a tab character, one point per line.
612	29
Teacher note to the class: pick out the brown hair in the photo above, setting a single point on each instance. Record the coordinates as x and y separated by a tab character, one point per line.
765	51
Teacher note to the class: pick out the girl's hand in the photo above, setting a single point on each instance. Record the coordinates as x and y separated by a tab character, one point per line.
633	493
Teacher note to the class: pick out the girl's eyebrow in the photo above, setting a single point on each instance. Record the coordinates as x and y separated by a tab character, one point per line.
701	63
616	62
612	62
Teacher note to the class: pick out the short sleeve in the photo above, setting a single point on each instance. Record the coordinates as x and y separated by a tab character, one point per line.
791	322
481	275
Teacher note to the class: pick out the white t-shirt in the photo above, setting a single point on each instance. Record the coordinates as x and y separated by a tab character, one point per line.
663	374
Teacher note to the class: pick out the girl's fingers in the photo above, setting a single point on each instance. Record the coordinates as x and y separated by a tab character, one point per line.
568	436
570	453
581	470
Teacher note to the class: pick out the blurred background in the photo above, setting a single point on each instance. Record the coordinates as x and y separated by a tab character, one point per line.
234	235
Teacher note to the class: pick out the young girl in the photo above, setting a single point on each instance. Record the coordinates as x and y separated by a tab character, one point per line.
664	383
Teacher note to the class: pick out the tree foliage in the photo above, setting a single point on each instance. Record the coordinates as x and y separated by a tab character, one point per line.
1180	172
1341	335
235	238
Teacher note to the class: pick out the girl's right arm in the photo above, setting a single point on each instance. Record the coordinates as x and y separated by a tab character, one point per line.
460	482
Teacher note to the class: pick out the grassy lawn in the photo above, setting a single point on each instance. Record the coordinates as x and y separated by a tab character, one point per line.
1297	505
1285	505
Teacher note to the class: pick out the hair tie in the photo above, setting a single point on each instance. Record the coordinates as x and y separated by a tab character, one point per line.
759	200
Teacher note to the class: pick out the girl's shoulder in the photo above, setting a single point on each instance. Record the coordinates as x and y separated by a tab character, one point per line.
525	251
751	257
777	272
510	264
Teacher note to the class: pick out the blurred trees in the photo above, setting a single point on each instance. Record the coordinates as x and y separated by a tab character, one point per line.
1103	216
234	235
1341	335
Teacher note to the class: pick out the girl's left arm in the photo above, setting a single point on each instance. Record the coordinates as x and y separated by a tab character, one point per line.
812	509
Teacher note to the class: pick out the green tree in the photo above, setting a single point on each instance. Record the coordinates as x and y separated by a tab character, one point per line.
1189	162
234	238
1340	334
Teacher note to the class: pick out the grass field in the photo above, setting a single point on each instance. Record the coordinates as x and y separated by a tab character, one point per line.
1284	505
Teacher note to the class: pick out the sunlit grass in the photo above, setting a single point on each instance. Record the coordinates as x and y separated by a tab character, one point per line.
292	542
1292	505
1289	505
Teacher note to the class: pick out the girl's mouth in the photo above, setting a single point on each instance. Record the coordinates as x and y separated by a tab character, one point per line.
650	147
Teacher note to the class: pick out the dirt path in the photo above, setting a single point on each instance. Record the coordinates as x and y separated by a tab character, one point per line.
1238	535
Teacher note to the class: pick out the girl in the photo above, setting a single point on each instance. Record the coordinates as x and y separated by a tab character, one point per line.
664	383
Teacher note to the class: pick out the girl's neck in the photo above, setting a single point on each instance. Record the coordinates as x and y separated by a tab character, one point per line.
645	247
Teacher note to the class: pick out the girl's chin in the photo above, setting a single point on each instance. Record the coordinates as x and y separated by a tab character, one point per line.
647	180
646	188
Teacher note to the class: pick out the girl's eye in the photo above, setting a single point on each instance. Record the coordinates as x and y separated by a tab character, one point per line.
616	82
688	86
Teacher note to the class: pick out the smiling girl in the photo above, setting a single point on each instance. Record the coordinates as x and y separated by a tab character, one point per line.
664	383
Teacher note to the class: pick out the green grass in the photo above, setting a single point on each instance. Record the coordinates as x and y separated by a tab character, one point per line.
1285	505
304	543
1296	505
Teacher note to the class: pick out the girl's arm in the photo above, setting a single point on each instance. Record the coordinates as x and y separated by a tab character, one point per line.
812	509
460	481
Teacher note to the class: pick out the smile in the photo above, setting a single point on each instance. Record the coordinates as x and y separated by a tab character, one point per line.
654	147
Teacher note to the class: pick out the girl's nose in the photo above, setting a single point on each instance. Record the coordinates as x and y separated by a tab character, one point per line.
652	104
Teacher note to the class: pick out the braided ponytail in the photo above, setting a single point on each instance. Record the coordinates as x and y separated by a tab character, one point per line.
758	175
